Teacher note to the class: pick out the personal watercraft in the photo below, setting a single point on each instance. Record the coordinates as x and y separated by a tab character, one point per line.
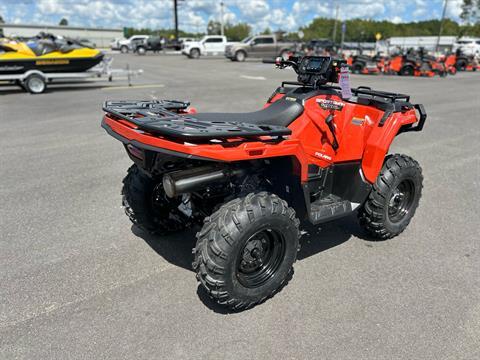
48	54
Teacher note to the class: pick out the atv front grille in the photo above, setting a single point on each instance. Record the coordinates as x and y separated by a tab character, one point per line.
164	118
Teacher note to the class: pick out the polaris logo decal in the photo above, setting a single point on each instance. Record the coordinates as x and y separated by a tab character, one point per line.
323	156
326	104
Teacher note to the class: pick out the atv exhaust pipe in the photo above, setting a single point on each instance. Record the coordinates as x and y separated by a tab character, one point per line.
181	182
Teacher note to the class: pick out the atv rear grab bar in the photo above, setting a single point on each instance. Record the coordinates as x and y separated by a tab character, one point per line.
423	117
421	121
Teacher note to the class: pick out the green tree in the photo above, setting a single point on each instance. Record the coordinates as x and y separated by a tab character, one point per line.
214	28
63	22
267	31
471	11
237	32
365	30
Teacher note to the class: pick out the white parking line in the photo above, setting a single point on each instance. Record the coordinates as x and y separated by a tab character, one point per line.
253	77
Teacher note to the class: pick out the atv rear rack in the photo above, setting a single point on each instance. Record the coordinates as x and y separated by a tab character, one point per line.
162	117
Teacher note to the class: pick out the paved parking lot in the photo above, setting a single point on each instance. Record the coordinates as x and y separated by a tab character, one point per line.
77	281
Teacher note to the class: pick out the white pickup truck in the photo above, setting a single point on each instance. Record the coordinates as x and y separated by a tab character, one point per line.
208	45
467	45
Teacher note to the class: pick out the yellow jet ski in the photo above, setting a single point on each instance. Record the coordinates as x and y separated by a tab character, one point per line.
48	54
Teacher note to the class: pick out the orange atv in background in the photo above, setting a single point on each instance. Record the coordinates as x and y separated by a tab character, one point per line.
363	64
466	62
449	61
251	181
409	65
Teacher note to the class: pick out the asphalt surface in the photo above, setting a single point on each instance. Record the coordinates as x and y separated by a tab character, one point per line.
77	281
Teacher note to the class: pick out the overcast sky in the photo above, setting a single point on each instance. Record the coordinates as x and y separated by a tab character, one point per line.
194	14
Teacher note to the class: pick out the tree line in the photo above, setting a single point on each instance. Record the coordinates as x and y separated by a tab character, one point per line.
366	30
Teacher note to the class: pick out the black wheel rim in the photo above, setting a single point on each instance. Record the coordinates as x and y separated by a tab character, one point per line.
401	200
260	258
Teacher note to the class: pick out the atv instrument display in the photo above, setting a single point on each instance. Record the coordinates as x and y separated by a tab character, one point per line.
252	180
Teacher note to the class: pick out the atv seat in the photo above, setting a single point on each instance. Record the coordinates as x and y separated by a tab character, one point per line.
280	113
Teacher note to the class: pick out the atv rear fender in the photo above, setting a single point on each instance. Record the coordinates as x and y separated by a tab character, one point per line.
382	137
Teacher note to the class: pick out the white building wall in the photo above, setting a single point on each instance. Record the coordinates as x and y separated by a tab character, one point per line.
427	42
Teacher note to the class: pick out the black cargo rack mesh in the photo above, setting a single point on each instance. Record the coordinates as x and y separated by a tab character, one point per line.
160	117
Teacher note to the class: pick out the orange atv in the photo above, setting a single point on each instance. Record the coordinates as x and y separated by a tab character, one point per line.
363	64
408	65
252	181
449	62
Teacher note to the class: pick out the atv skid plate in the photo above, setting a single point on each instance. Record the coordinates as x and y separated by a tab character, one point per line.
168	118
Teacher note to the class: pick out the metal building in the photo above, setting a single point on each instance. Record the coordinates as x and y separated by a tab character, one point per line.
426	42
100	37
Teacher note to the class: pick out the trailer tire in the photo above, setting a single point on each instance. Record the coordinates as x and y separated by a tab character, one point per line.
35	84
394	198
147	205
246	249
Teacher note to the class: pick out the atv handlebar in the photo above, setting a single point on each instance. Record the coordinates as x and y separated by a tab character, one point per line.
281	63
312	70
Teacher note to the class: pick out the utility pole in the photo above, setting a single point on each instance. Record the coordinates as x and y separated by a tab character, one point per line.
336	21
344	30
222	25
175	13
445	5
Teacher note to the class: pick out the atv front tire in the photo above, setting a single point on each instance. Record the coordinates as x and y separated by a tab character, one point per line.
246	249
393	199
147	205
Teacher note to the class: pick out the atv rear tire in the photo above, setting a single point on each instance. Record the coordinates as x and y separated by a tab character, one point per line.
246	249
393	199
147	205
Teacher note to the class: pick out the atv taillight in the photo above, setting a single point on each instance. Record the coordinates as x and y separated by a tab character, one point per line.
136	152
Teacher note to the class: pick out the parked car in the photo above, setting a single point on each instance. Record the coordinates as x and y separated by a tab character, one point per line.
261	46
125	45
467	46
141	46
208	45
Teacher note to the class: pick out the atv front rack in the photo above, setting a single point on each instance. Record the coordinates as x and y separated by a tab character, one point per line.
164	118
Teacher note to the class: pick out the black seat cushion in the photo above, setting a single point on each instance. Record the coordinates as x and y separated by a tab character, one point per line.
281	113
